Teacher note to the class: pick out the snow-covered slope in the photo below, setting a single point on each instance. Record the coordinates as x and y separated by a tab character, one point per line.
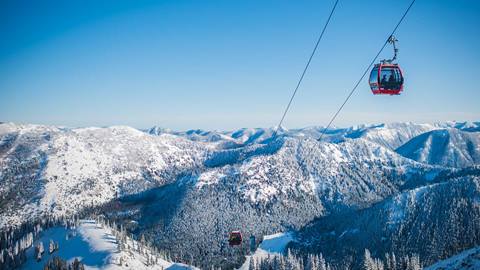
271	245
433	221
95	247
466	260
59	171
448	147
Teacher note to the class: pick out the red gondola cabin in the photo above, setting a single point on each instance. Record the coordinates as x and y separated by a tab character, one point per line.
235	238
386	79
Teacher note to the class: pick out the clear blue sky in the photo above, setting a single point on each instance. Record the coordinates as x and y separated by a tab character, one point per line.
231	64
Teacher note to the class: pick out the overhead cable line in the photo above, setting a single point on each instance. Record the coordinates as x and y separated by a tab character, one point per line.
305	70
366	70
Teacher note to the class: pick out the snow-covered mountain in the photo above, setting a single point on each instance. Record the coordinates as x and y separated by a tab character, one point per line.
50	170
391	135
466	126
396	134
447	147
187	190
262	191
58	170
434	221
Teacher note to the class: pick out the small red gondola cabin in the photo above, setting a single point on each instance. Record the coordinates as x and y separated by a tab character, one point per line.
235	238
386	79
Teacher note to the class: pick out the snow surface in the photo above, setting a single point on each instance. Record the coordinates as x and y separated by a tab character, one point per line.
94	246
466	260
272	245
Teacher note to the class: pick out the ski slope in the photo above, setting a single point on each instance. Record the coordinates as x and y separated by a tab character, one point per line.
272	245
94	246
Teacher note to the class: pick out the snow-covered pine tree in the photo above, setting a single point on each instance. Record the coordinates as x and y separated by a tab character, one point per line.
41	249
292	261
368	262
51	247
321	263
38	254
390	261
311	264
414	263
378	264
